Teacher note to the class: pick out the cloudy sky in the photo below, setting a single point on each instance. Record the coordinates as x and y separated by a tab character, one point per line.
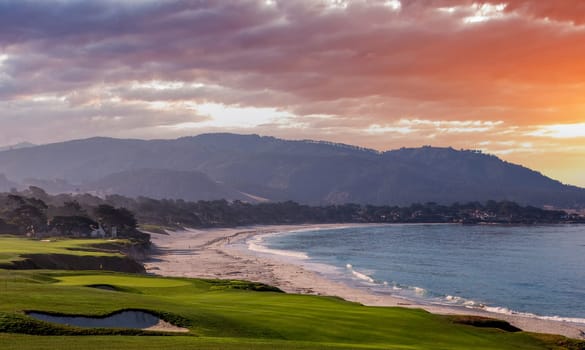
506	77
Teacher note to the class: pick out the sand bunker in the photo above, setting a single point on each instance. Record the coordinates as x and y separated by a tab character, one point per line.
133	319
218	253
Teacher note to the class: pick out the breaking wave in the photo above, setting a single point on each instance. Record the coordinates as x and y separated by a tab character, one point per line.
256	244
506	311
359	275
335	249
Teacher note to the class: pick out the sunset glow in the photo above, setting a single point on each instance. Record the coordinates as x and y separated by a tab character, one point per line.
506	77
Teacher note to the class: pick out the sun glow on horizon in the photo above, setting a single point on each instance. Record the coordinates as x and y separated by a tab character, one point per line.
561	131
164	85
498	75
223	116
395	5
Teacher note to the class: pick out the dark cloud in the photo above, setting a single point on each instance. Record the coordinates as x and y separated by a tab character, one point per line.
367	63
301	48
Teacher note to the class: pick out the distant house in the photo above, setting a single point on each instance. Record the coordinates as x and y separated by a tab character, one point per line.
98	232
101	232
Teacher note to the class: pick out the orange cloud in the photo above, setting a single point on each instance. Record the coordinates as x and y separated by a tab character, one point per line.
504	76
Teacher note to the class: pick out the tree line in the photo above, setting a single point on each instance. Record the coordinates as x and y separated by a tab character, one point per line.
35	212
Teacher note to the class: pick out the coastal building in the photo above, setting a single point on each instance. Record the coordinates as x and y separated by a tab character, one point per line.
98	232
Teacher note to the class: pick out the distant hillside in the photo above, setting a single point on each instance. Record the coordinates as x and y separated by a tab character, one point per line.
5	184
17	146
304	171
161	183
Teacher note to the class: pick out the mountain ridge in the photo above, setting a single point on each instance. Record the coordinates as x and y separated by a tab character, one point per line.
306	171
17	146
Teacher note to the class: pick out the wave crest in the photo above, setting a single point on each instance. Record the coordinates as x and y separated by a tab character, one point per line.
256	244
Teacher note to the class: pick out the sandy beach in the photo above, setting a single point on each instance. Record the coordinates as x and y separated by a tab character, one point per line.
218	253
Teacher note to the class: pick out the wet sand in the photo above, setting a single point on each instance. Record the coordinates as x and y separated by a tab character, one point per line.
218	253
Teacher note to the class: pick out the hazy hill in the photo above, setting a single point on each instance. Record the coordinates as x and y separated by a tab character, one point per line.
17	146
304	171
161	183
5	184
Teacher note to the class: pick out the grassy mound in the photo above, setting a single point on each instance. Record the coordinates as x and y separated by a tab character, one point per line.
11	248
242	285
67	254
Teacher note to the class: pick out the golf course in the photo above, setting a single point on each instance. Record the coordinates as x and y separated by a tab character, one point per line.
218	314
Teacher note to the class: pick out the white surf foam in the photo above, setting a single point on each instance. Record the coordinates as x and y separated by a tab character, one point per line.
359	275
460	301
471	304
256	244
412	292
506	311
419	291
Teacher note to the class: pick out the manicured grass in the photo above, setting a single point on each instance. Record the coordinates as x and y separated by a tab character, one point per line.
220	314
221	317
122	281
11	248
18	342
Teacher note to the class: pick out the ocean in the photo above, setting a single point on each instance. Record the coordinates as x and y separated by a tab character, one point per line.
534	270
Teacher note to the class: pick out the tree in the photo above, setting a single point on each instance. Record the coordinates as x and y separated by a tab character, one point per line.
28	214
69	208
37	192
119	217
29	219
72	225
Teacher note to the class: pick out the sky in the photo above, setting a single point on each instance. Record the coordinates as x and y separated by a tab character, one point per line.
505	77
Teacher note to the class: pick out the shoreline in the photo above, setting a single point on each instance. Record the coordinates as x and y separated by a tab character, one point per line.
214	253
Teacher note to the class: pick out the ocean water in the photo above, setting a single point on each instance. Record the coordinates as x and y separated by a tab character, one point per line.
535	270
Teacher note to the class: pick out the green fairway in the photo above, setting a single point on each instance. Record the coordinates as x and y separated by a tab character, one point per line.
219	314
11	248
18	342
121	281
224	315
